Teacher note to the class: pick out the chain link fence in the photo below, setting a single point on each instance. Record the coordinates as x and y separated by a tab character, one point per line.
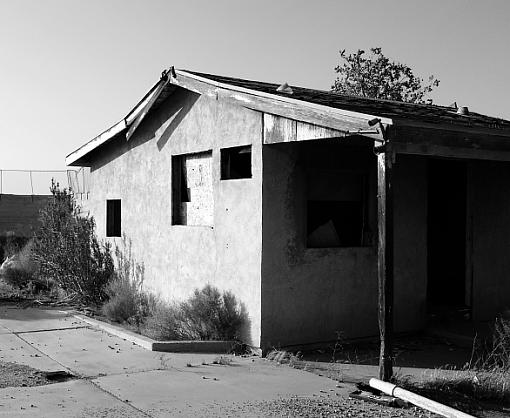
38	182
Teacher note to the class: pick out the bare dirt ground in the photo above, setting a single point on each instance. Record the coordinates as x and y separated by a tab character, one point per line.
18	375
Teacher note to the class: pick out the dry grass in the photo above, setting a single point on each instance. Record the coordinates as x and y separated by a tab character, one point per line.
484	382
222	361
284	357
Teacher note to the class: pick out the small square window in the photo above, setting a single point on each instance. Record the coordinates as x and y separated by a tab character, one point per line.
236	163
113	218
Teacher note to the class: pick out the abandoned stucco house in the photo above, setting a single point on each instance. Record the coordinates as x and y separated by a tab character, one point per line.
271	191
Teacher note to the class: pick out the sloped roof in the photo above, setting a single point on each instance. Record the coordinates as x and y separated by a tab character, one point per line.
429	113
332	105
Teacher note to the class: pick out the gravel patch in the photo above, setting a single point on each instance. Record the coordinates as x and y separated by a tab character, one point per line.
17	375
330	406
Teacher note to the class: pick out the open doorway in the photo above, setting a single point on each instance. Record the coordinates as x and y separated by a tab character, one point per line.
447	195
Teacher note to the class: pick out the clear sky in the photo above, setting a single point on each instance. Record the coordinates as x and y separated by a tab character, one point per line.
70	69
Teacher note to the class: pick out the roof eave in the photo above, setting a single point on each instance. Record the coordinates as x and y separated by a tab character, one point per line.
73	159
455	127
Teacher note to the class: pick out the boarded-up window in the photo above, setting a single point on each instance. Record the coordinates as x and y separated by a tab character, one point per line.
236	163
336	211
113	218
192	189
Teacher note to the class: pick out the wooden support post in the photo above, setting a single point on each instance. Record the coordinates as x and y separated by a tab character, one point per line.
385	259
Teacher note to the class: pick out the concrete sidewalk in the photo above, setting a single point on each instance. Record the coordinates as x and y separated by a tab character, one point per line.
118	378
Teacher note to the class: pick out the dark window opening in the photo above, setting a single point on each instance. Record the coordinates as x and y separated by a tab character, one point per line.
180	190
334	224
113	218
337	209
180	180
236	163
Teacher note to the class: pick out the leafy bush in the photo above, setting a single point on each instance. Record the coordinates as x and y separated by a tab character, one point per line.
68	252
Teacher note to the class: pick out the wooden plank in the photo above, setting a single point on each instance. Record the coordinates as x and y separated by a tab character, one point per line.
296	110
451	152
385	260
438	138
308	131
450	127
278	129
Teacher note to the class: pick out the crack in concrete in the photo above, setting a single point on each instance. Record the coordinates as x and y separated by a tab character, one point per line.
48	330
46	355
81	377
128	372
124	401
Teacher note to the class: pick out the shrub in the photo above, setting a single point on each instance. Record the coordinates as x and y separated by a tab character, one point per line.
207	315
127	301
165	322
122	303
20	271
210	315
11	245
67	250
